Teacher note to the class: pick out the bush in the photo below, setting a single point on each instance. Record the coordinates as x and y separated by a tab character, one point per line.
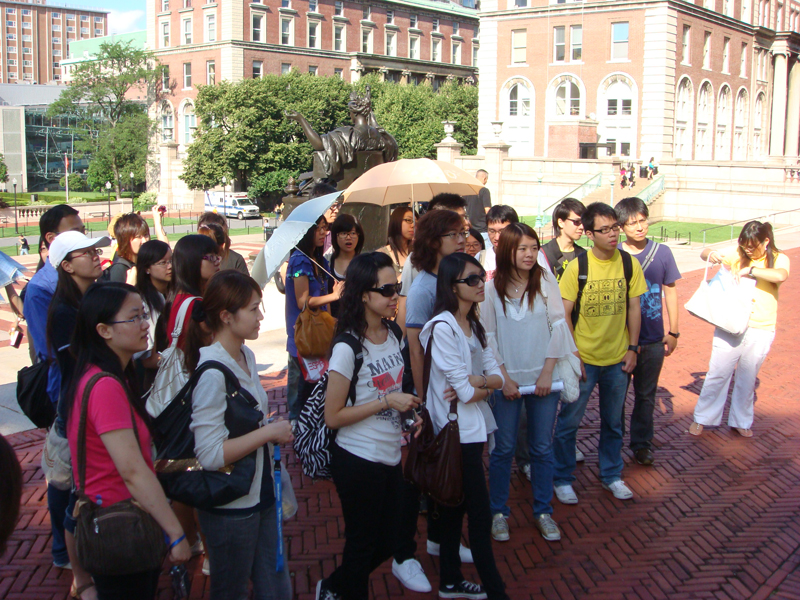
145	201
76	183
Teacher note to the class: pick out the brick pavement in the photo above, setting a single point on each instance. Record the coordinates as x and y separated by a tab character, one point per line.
716	517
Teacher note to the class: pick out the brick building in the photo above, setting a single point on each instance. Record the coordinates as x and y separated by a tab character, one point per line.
709	80
37	37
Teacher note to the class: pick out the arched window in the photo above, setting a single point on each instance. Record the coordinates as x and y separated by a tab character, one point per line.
740	126
723	145
616	114
189	123
568	100
758	126
517	110
684	106
167	122
705	108
519	101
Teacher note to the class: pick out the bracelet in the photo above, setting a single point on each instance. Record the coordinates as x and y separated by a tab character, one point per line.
382	400
485	383
751	271
178	541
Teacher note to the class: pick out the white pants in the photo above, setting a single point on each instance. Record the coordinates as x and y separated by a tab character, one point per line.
744	353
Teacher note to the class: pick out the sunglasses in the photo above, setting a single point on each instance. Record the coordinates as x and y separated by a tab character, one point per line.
473	280
388	290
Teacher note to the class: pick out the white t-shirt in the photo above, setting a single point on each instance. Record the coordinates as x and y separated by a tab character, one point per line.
376	438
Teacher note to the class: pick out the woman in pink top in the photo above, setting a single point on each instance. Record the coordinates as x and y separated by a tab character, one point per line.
111	327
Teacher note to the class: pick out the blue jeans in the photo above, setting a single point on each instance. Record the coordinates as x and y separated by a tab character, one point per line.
243	548
57	502
293	378
613	383
645	385
541	411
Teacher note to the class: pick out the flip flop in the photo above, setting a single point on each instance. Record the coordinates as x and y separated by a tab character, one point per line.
77	592
695	429
746	433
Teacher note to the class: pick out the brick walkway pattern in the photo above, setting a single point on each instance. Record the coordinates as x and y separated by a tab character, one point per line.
716	517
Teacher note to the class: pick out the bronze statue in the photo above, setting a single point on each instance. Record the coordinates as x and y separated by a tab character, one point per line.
344	153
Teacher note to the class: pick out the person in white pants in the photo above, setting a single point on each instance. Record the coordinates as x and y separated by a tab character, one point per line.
756	256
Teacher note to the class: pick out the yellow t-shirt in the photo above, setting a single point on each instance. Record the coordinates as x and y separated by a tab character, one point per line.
765	297
601	333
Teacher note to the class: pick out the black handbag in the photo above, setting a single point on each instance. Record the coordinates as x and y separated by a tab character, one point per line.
177	467
32	394
119	539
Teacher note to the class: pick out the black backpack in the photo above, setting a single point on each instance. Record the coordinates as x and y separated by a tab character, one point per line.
583	275
552	252
312	436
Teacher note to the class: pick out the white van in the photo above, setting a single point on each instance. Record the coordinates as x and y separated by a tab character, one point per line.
231	205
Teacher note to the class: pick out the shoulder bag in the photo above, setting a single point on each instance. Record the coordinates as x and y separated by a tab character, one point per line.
434	462
722	302
313	332
567	369
56	461
119	539
32	394
176	465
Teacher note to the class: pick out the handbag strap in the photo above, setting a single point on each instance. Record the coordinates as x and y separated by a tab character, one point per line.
179	320
426	373
315	262
82	426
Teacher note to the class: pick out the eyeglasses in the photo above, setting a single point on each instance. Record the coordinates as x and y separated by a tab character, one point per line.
576	222
456	235
163	263
388	290
492	231
473	246
473	280
348	235
137	320
408	221
605	230
323	228
641	222
213	258
90	252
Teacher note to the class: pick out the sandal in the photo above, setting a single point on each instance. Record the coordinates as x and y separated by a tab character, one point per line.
77	592
695	429
746	433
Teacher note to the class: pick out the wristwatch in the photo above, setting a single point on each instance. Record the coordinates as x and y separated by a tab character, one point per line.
750	273
633	348
675	335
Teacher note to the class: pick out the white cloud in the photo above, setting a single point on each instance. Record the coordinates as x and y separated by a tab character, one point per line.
125	21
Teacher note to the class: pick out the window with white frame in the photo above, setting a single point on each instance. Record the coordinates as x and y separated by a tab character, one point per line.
165	79
26	50
743	62
366	40
455	56
412	21
257	32
189	124
287	31
686	49
338	73
26	24
167	120
366	12
758	126
70	28
391	43
211	72
187	31
727	8
413	47
27	63
84	30
98	19
435	24
11	24
559	44
56	40
313	70
11	36
338	8
740	126
519	46
726	50
57	28
568	99
187	76
390	17
286	68
436	50
11	11
576	42
746	11
258	69
84	18
29	38
456	28
723	140
339	38
707	50
779	18
26	12
211	27
187	3
519	101
12	62
705	109
165	34
313	5
98	32
313	34
619	41
475	55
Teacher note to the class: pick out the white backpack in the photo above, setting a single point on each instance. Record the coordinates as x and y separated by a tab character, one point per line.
172	375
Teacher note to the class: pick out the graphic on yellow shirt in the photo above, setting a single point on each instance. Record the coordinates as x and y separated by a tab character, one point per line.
604	298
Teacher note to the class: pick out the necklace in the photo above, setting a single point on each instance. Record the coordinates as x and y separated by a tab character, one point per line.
516	288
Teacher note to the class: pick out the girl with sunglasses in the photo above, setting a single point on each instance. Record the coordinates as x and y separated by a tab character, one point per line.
366	451
462	360
525	325
347	240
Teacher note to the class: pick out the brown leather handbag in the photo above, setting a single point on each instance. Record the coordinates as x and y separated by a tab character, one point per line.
313	332
434	462
119	539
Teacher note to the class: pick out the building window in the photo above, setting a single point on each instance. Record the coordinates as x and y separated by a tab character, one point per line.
258	69
412	21
436	52
165	79
568	100
559	46
55	39
683	120
57	28
11	24
338	8
726	50
413	47
84	18
312	6
619	41
519	101
435	24
338	73
28	38
779	18
286	68
286	3
313	37
391	43
474	55
746	11
338	38
11	36
705	109
686	54
723	145
26	24
211	72
287	32
366	12
187	31
312	69
211	27
707	50
456	53
576	42
12	62
390	17
98	32
189	124
519	46
743	62
187	76
366	40
26	50
84	30
257	32
455	28
12	11
165	35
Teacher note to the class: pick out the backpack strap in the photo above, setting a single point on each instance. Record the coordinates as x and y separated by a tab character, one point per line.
650	256
627	269
232	385
395	329
552	251
358	352
583	275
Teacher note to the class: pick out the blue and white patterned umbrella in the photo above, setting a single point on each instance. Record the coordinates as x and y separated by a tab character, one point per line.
10	270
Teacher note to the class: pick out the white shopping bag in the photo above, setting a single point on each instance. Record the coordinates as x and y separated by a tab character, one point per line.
723	302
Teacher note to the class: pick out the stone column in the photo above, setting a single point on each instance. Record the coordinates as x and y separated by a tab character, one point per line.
793	112
169	153
496	154
778	130
448	151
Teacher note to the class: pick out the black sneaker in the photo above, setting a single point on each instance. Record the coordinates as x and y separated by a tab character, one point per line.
465	589
644	456
325	593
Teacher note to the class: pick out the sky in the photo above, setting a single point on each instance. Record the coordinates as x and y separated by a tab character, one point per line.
125	15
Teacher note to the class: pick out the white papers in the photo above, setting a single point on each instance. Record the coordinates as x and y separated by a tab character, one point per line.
530	389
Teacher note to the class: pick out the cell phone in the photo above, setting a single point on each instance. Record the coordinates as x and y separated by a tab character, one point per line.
181	582
16	338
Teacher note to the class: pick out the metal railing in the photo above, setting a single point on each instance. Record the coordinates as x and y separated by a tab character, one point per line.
651	192
768	217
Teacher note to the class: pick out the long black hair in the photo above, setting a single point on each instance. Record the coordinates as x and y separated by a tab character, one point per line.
67	292
754	233
100	304
395	239
187	260
345	223
452	268
149	254
362	274
308	247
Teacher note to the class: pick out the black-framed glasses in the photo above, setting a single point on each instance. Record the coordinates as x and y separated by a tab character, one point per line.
213	258
348	235
90	252
473	280
388	290
455	235
605	230
473	246
408	221
136	320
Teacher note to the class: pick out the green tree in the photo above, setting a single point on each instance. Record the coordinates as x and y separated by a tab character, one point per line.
126	145
99	95
76	183
3	169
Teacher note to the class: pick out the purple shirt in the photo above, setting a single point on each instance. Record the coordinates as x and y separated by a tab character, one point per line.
661	271
300	265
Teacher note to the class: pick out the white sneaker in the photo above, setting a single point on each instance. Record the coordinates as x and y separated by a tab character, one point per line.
499	528
411	575
619	489
565	494
579	457
206	567
548	528
464	553
526	470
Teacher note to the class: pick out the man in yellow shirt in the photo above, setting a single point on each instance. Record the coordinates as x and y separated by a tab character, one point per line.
607	335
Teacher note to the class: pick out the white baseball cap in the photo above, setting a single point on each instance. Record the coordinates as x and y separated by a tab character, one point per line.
69	241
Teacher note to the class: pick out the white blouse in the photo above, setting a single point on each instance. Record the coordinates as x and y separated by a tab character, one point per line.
521	338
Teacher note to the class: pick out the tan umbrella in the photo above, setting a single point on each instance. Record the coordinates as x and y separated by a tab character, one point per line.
410	180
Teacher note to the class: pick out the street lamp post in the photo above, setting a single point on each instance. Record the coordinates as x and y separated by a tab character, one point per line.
131	184
16	223
539	178
612	180
108	190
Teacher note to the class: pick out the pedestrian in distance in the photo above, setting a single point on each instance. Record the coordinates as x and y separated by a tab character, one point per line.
756	257
24	247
